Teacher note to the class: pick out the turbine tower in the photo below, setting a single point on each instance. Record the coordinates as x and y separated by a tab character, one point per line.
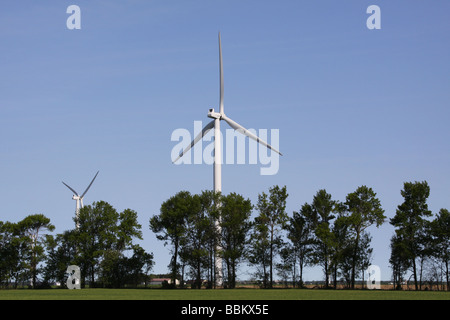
78	198
215	123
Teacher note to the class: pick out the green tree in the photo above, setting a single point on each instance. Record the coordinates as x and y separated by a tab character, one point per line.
113	269
300	233
32	227
286	267
211	207
410	221
102	238
364	211
319	215
61	253
15	255
258	254
342	250
440	233
118	270
96	234
235	225
195	239
128	229
170	225
364	252
398	260
272	214
140	265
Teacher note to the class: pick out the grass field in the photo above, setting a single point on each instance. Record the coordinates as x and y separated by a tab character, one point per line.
235	294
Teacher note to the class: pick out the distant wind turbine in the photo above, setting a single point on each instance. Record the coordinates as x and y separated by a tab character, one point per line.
78	198
217	116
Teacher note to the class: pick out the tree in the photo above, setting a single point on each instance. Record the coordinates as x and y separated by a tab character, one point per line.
128	228
141	263
286	268
61	253
96	234
195	239
365	210
211	203
15	254
272	214
364	252
235	225
258	253
118	270
102	238
113	269
170	225
32	226
342	251
300	233
409	221
440	233
399	260
319	216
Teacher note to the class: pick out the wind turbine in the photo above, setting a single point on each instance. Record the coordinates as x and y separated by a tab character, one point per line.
215	123
78	198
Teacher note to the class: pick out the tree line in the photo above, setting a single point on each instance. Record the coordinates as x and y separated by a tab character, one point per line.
30	256
331	234
206	228
201	231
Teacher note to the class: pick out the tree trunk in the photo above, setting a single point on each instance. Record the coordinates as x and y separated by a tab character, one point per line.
301	272
271	257
199	280
446	267
264	275
294	273
174	265
92	277
233	275
335	278
415	273
354	261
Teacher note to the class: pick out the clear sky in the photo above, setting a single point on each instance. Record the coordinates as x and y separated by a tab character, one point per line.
353	106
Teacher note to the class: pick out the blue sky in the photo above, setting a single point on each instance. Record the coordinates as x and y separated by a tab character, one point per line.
354	106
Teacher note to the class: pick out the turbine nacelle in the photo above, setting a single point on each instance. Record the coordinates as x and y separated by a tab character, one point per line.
214	115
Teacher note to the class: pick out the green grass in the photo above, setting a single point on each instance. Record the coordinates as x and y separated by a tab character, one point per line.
235	294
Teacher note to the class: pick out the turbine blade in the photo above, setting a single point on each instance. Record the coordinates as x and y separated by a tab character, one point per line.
221	76
70	188
205	130
241	129
90	184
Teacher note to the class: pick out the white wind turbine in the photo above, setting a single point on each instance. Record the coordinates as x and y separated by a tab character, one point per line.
217	116
78	198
